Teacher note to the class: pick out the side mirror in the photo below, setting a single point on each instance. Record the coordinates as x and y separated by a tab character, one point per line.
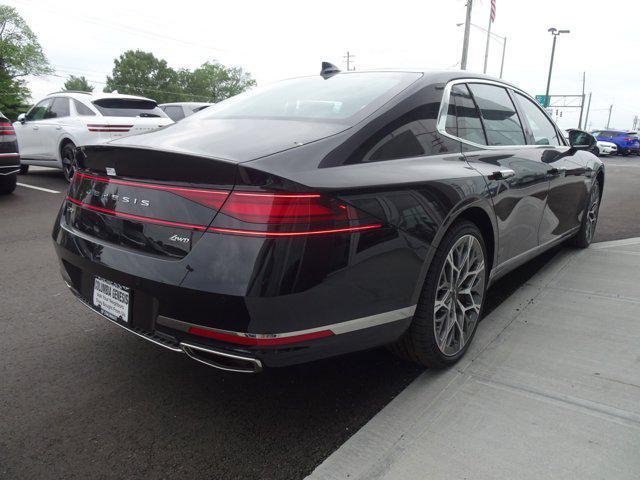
580	140
22	118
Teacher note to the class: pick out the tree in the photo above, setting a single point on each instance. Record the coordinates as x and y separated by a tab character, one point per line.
214	82
20	55
141	73
80	84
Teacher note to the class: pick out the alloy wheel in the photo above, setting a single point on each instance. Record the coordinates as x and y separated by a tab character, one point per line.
592	213
69	161
459	295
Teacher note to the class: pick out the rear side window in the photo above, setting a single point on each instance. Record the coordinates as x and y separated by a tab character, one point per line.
126	107
82	109
174	112
59	108
544	133
499	116
468	124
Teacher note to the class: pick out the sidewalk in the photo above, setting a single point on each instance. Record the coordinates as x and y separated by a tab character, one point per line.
549	389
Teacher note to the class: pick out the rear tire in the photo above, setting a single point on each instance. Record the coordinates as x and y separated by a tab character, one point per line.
451	301
69	165
587	231
8	183
24	169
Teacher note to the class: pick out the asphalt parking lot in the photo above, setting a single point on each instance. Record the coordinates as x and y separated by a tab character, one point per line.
81	398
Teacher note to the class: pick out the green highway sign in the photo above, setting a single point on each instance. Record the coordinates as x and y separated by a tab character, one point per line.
542	100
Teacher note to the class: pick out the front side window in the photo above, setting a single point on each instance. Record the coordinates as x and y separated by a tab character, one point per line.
38	111
59	108
82	109
499	116
544	133
469	126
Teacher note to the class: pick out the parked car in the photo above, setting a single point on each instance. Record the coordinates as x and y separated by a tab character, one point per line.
50	131
324	215
626	142
179	110
9	156
606	148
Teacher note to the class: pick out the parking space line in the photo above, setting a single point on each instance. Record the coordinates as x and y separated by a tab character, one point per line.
37	188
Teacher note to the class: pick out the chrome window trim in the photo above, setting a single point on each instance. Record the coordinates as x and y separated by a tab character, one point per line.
444	109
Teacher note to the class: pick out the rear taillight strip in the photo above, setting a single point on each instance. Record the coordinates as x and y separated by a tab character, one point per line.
152	186
140	218
2	155
254	233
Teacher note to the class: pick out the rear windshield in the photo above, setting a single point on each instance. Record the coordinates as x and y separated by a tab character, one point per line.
344	98
125	107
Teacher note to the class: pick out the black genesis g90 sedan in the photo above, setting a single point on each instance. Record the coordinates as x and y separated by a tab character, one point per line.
325	215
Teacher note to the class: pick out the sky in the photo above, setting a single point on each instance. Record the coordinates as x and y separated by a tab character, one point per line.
278	39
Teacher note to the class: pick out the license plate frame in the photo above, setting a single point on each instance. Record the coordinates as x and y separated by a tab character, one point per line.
112	299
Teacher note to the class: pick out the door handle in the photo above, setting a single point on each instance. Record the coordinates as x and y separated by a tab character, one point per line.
502	174
36	127
58	127
557	171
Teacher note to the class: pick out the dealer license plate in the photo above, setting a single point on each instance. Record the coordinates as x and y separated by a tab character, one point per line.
111	299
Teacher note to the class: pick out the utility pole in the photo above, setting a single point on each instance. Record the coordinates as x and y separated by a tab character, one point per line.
586	118
609	119
504	47
467	31
486	50
555	32
349	56
582	104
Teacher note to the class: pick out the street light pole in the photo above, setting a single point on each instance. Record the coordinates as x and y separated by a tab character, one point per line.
504	47
555	32
486	50
609	119
467	31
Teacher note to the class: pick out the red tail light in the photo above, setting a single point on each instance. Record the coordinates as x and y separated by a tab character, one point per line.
6	129
239	213
284	214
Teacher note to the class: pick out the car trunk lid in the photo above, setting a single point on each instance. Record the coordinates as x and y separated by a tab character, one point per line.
159	203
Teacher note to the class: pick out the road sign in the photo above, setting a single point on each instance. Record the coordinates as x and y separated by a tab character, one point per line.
542	100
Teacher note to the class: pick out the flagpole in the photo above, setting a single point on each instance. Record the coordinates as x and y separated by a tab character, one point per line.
486	51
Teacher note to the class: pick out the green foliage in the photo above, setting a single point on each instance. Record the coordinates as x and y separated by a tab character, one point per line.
20	55
213	82
141	73
80	84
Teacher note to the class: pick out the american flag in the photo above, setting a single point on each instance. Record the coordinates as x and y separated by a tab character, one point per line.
493	10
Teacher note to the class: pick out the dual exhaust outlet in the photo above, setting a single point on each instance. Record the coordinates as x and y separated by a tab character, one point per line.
221	360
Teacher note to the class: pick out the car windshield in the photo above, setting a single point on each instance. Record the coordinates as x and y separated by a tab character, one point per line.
344	98
128	107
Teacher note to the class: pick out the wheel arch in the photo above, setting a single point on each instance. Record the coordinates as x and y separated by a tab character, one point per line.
477	210
63	141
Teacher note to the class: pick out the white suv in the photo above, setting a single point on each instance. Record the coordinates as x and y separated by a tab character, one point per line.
49	132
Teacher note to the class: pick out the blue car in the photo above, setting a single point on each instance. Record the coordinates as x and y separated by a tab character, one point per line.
627	142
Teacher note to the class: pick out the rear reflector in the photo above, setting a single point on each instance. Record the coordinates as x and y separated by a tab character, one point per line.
259	341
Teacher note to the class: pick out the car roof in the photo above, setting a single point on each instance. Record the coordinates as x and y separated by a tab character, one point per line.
95	96
188	104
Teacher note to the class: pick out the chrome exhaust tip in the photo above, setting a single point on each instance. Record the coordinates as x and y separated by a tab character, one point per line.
221	360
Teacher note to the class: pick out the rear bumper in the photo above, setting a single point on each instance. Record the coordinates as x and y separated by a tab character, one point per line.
238	312
9	163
